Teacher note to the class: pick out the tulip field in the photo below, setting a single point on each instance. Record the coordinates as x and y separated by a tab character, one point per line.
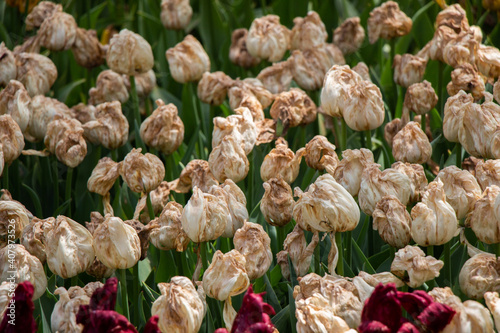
238	166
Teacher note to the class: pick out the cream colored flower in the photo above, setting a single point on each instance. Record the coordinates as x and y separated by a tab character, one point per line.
129	53
109	87
228	160
175	14
465	77
44	110
417	178
453	113
420	97
11	139
240	126
196	173
350	169
454	17
36	72
254	87
281	162
25	267
411	144
488	173
376	184
310	66
42	11
14	100
144	84
64	138
240	97
103	177
435	47
142	172
33	238
419	267
488	61
349	36
236	203
188	60
267	38
116	243
226	276
8	68
58	32
13	220
388	21
87	49
308	32
278	77
326	207
484	217
480	274
110	127
293	108
493	303
164	129
255	245
362	69
205	216
277	202
180	308
212	88
316	152
362	106
238	52
408	69
392	221
167	232
300	252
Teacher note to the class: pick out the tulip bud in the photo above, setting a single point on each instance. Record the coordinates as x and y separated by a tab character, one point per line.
267	38
461	189
164	129
419	267
277	203
281	162
411	144
350	169
392	221
212	88
453	112
388	21
240	97
310	66
453	17
349	36
44	110
480	274
33	238
300	253
205	216
488	61
293	108
363	107
326	207
36	72
13	220
466	78
180	307
58	32
142	172
109	87
188	60
236	203
418	180
278	77
420	97
433	220
196	173
40	12
240	126
376	184
176	14
103	177
315	314
392	128
255	245
362	69
64	138
487	173
408	69
14	100
484	217
166	230
238	52
87	49
493	303
228	160
226	276
317	149
117	244
129	53
18	265
11	139
308	32
8	68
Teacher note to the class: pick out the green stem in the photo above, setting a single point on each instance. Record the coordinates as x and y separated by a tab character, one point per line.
497	249
348	252
423	122
338	138
136	287
430	252
137	113
459	155
447	263
122	276
74	281
340	246
440	88
344	135
203	254
281	237
5	177
317	259
368	135
150	207
67	195
56	181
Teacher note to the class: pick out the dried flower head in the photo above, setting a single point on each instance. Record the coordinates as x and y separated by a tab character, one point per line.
109	126
411	144
42	11
240	126
277	202
308	32
44	110
129	53
64	138
484	218
281	162
420	97
212	88
205	216
238	52
408	69
350	169
164	129
196	173
8	68
15	101
26	268
144	83
166	230
228	160
36	72
417	178
487	173
103	177
58	32
453	112
13	220
362	69
388	21
188	60
11	139
315	314
419	267
255	245
293	108
142	172
33	238
488	61
454	17
362	107
278	77
466	78
319	152
349	36
180	307
110	87
87	49
326	207
267	38
239	98
300	252
392	221
480	274
176	14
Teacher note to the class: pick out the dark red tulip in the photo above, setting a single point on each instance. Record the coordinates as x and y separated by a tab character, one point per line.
104	298
436	316
384	307
152	325
18	317
253	316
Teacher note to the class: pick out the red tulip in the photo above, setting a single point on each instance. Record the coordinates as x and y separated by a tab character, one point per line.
20	319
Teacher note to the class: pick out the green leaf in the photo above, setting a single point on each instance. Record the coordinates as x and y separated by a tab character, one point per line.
282	320
291	306
35	199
